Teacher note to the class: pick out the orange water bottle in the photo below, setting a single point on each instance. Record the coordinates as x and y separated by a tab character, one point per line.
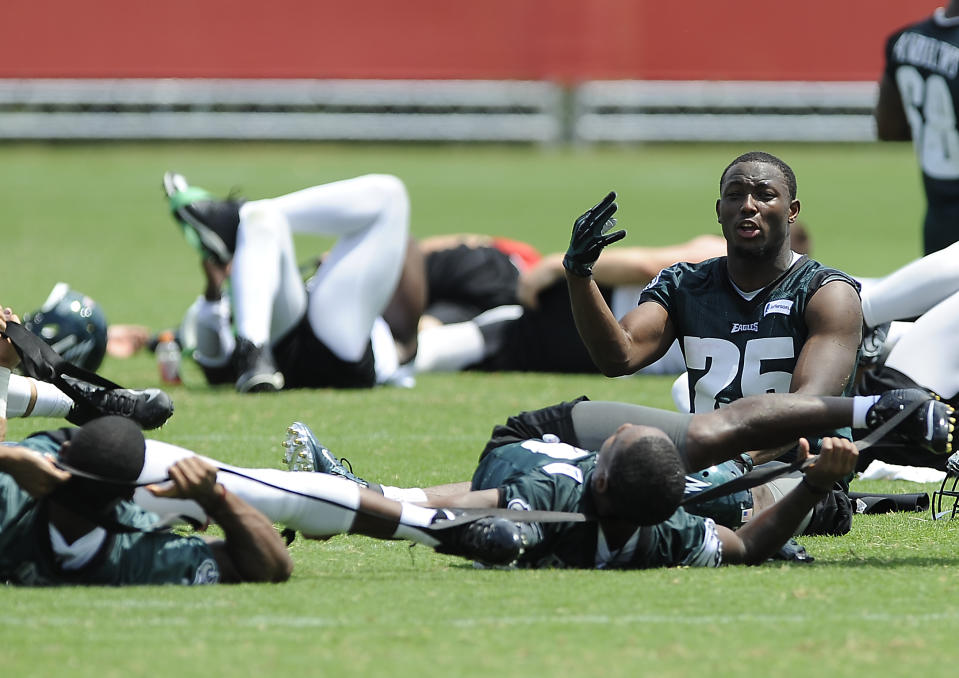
168	358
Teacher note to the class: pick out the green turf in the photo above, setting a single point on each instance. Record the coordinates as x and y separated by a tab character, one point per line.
878	601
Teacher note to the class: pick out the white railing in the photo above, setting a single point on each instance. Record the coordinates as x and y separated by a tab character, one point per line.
436	110
631	111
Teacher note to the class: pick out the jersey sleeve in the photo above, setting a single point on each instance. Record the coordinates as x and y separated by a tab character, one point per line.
685	539
662	288
552	487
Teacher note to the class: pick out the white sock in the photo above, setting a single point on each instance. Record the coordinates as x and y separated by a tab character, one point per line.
213	335
28	397
913	289
413	517
860	406
385	358
449	348
410	494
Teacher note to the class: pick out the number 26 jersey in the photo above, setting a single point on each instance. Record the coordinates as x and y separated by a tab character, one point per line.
736	347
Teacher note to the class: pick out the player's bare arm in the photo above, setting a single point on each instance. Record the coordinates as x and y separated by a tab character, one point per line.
827	359
891	123
470	499
35	473
762	536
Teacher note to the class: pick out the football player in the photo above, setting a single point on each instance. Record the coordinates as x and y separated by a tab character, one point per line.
761	319
288	335
58	527
918	100
66	514
542	461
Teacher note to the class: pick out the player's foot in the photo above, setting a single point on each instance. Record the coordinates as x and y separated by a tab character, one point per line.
209	224
303	452
149	408
931	425
491	541
258	373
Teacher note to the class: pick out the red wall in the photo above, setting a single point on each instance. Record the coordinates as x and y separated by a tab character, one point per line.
566	40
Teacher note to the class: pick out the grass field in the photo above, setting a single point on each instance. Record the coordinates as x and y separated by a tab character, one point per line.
878	601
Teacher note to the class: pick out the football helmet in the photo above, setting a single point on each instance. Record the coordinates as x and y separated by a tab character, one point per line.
73	325
945	502
731	510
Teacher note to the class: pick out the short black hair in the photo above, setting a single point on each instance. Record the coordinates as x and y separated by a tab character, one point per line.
769	159
110	447
646	480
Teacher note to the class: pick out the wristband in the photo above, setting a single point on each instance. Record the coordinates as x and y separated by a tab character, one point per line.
4	386
818	491
578	268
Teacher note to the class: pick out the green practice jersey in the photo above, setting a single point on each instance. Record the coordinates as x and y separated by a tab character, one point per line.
27	556
545	474
736	347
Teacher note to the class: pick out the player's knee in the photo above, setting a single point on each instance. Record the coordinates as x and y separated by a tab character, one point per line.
390	191
260	219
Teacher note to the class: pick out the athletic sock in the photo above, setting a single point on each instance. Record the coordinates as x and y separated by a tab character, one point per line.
860	407
28	397
412	518
214	336
410	494
448	348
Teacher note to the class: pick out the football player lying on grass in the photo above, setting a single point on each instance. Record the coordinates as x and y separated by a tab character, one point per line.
541	461
71	527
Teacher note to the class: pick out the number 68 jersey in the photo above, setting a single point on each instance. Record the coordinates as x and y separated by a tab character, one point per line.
923	61
734	346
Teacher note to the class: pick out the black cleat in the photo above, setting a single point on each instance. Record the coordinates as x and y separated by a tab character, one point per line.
209	224
491	541
258	373
149	408
303	452
930	426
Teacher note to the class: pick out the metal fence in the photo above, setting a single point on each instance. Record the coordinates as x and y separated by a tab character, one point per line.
435	110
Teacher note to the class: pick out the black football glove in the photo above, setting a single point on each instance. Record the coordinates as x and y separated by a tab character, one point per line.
590	236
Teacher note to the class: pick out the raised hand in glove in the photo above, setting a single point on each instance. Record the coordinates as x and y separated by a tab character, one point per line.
590	236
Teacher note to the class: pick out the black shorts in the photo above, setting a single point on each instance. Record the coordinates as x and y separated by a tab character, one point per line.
555	419
464	281
306	362
544	339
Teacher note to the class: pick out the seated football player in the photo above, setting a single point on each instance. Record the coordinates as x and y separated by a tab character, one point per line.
911	319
